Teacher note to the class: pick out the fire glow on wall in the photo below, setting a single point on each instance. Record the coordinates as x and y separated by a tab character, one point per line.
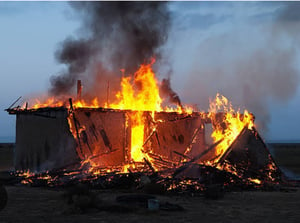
134	128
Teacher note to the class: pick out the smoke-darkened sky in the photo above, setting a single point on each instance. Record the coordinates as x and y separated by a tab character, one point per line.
248	51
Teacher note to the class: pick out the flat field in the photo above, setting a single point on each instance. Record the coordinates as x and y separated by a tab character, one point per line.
6	156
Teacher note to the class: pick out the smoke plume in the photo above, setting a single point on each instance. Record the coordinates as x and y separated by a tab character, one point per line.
113	36
252	61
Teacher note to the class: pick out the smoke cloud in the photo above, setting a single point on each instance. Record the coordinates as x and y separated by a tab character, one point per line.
250	59
113	36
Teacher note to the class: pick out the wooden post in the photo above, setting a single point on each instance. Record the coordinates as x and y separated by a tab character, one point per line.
107	95
79	89
14	102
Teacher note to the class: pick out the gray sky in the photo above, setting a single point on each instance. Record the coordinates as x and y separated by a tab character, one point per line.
248	51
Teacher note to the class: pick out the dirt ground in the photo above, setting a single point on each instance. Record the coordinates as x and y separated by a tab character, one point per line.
33	204
29	204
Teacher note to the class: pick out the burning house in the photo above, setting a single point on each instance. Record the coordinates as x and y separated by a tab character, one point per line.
48	138
136	133
143	127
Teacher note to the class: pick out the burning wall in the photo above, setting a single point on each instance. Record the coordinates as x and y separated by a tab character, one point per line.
135	129
53	138
134	132
101	140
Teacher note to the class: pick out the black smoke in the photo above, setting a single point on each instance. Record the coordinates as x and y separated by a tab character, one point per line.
113	36
167	92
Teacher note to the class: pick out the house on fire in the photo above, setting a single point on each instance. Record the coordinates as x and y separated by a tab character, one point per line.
58	137
54	137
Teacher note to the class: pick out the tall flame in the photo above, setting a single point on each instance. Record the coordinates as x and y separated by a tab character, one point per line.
139	94
137	136
231	124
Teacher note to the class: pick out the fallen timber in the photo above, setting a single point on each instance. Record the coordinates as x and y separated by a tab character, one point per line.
207	176
245	165
187	178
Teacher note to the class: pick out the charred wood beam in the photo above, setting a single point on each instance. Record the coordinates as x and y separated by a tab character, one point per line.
157	157
14	103
79	89
160	160
193	139
107	94
187	164
75	124
182	155
149	165
17	110
65	171
148	138
71	105
161	166
206	151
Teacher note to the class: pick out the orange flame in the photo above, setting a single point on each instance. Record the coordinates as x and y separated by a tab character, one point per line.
139	94
81	103
50	102
231	124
